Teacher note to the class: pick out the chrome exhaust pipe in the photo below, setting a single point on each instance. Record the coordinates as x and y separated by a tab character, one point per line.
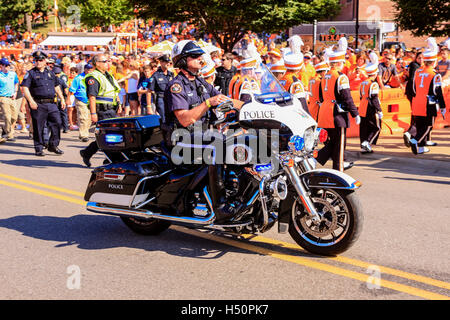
146	214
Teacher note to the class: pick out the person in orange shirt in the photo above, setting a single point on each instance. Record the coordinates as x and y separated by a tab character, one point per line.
356	74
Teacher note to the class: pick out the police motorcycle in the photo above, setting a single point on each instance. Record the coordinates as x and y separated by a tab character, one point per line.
148	186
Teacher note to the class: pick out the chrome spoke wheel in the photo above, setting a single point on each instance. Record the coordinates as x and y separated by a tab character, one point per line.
334	222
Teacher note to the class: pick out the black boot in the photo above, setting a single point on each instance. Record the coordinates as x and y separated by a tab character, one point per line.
224	211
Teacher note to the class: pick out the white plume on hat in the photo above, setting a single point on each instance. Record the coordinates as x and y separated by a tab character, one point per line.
342	44
431	52
250	52
372	66
447	43
295	44
251	56
209	68
327	52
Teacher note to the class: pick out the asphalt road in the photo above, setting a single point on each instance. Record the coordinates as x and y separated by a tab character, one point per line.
52	248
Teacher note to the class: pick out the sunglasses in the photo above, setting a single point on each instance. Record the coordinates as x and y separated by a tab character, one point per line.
195	56
104	61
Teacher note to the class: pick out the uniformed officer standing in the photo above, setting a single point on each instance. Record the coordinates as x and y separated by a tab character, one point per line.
187	100
103	96
336	103
40	87
158	84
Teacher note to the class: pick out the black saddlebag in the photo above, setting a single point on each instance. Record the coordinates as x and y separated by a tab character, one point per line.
128	133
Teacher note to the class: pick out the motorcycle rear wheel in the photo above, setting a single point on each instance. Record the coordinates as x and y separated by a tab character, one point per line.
147	227
340	227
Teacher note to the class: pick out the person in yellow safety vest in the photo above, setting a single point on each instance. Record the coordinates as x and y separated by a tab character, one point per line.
290	81
103	95
427	99
369	107
314	88
337	102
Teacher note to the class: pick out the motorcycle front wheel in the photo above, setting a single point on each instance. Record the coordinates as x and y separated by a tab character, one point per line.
340	225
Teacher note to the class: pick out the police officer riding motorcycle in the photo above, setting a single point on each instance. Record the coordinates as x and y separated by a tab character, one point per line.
225	165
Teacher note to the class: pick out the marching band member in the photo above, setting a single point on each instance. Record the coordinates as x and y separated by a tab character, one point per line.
337	102
369	107
427	99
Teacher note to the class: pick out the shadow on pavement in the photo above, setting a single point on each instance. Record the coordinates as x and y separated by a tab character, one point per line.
97	232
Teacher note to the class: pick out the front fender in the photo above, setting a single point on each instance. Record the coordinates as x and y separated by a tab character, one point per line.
329	178
320	178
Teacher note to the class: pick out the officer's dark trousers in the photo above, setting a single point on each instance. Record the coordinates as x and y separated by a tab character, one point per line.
334	148
160	108
92	148
46	112
64	119
421	129
369	128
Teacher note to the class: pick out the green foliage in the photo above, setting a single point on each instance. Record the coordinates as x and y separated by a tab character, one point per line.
92	13
423	18
232	19
12	12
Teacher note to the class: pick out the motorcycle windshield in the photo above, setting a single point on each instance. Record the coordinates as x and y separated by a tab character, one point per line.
263	85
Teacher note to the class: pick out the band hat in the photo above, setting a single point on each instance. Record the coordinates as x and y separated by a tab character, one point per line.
322	66
293	61
275	52
431	51
338	55
278	67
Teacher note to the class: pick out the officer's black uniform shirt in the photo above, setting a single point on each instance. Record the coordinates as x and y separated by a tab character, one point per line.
41	84
183	94
224	77
159	81
63	86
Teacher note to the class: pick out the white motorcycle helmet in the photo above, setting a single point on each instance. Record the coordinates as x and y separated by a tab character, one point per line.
182	50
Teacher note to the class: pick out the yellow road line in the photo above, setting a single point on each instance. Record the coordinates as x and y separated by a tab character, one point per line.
317	265
286	257
42	185
43	193
354	262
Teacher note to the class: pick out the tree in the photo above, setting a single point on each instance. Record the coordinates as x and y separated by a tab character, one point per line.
92	13
229	20
12	12
423	18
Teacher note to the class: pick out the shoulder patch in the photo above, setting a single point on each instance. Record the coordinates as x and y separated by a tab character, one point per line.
91	81
26	75
176	88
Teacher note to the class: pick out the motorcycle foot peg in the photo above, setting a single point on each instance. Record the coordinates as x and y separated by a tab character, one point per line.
283	227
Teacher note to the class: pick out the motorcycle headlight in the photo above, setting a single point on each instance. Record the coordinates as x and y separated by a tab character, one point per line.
309	139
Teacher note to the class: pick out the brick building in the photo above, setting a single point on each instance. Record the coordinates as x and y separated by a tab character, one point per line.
376	21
